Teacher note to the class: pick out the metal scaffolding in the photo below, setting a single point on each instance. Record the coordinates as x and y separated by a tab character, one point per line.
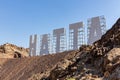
103	24
33	45
59	40
76	35
45	44
96	28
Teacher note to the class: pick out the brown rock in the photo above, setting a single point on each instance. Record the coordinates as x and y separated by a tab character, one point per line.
13	51
106	74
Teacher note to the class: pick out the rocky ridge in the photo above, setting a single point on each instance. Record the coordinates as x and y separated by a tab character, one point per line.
12	51
100	61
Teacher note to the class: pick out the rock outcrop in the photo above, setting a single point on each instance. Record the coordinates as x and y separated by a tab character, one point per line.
13	51
100	61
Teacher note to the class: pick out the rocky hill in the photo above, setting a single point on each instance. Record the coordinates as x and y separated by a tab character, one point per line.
13	51
27	68
100	61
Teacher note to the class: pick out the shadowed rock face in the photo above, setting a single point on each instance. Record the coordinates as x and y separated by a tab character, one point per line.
13	51
100	61
109	40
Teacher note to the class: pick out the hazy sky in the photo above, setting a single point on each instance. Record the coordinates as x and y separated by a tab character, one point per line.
21	18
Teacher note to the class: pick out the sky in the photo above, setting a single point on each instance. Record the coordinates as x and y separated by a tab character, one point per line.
21	18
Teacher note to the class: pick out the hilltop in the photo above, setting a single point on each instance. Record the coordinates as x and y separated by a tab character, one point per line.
100	61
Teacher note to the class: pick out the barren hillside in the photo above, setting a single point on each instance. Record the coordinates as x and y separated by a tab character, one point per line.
24	68
100	61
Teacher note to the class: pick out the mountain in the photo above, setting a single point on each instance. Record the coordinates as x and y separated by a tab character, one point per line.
100	61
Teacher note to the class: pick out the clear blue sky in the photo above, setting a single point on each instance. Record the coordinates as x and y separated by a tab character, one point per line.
21	18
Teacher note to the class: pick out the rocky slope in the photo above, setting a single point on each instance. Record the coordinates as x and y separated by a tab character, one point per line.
13	51
100	61
27	68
